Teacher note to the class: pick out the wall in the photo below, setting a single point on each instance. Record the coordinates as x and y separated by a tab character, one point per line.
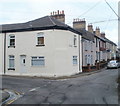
64	52
96	50
58	52
88	49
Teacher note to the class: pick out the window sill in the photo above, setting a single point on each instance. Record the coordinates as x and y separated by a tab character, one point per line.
11	68
11	46
38	66
40	45
75	46
75	64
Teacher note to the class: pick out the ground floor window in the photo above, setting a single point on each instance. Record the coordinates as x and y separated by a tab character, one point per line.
86	60
11	61
37	61
75	60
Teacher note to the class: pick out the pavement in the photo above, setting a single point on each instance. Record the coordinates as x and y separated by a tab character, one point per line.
5	95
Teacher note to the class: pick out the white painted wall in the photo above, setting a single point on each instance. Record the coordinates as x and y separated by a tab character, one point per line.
88	49
58	52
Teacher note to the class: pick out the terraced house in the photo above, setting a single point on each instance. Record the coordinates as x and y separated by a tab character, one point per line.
48	47
96	48
42	47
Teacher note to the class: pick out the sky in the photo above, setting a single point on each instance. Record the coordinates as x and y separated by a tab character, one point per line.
94	11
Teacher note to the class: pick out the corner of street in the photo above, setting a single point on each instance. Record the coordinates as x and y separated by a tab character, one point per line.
98	87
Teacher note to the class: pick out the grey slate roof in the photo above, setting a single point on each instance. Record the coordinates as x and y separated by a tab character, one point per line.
86	35
109	41
46	22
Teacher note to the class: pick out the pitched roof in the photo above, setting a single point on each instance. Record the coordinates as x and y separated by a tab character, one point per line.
46	22
86	34
109	41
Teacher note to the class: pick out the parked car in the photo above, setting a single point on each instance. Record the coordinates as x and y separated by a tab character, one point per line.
113	64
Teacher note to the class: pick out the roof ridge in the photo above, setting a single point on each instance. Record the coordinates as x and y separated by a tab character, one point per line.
52	20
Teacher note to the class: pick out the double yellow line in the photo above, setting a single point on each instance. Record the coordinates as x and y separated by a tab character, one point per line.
11	101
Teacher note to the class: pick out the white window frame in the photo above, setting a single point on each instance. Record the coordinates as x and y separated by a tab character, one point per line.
40	35
39	59
11	58
11	37
75	60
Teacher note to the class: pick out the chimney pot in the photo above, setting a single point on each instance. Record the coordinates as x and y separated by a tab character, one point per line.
78	24
58	11
59	15
97	32
62	11
51	13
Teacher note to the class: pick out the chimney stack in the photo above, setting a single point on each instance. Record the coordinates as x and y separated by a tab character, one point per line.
59	15
79	23
97	32
103	34
90	28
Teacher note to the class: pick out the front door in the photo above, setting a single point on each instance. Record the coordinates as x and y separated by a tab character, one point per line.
23	64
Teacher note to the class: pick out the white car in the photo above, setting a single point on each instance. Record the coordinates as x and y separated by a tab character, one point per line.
113	64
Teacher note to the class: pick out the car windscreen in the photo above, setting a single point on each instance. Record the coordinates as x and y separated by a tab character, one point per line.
112	62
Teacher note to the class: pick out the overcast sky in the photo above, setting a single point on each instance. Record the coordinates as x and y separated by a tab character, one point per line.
17	11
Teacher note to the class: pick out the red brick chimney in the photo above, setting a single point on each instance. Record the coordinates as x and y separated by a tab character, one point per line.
59	15
79	23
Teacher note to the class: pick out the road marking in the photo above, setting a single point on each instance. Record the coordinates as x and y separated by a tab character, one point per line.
13	96
34	89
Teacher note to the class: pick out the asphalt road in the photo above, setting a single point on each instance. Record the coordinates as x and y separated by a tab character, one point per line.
98	88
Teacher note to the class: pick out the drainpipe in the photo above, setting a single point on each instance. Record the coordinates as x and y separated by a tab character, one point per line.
4	53
79	50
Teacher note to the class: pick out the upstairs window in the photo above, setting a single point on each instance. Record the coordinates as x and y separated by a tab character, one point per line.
40	39
75	41
11	40
86	45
